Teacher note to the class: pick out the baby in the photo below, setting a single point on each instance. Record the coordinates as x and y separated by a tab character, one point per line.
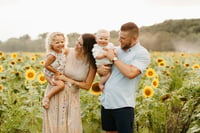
102	39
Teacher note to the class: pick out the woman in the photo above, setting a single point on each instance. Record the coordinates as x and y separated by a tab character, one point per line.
63	115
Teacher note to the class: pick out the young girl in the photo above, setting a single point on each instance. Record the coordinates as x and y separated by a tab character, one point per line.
102	39
56	48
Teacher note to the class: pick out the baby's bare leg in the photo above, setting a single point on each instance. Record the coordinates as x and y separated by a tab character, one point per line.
103	80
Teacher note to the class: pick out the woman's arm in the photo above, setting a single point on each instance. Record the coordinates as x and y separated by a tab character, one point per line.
88	82
81	84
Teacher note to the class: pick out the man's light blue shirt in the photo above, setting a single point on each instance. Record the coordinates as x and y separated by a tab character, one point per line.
119	91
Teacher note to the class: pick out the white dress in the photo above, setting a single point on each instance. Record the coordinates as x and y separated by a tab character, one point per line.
63	114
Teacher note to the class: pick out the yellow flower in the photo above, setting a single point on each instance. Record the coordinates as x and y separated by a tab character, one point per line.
148	91
155	83
1	68
168	74
42	62
19	59
1	53
27	67
162	63
33	58
176	61
41	78
95	89
13	63
186	65
1	87
172	67
150	72
14	55
195	66
30	74
159	60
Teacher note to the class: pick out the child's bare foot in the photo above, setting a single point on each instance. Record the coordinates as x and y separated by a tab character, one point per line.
45	102
101	86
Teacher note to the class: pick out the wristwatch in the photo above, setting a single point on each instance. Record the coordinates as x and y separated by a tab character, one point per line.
114	59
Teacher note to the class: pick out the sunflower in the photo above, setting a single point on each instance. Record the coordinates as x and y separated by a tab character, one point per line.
95	89
33	58
1	87
150	72
1	68
27	67
41	78
148	91
13	63
162	63
30	74
159	60
1	53
195	66
176	61
155	83
165	97
168	74
42	62
186	65
19	60
14	55
172	67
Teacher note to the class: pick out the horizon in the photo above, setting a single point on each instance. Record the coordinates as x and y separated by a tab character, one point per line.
34	17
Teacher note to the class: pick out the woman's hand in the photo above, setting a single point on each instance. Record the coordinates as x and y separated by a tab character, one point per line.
62	77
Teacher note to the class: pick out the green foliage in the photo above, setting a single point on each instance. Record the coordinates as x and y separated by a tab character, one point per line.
173	108
90	108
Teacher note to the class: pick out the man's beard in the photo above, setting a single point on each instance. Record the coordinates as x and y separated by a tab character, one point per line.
127	46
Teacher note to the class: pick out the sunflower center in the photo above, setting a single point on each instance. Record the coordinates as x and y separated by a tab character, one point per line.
42	78
30	75
147	92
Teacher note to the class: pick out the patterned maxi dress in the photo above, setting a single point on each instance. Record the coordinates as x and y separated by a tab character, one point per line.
63	114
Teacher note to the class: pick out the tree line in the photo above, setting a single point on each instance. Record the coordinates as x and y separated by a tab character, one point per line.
170	35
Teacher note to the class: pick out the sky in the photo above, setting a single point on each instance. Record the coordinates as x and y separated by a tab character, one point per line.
34	17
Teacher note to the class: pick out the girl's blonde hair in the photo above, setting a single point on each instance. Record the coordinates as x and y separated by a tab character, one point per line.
49	40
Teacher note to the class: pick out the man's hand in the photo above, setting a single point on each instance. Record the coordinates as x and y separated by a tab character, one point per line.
103	69
110	53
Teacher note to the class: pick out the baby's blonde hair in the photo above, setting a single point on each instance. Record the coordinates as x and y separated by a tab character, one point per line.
49	40
102	31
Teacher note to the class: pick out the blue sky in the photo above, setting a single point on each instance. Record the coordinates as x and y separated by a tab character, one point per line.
33	17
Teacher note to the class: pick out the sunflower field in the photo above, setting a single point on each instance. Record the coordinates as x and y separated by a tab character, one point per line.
168	97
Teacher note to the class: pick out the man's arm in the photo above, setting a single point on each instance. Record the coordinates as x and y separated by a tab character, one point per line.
130	71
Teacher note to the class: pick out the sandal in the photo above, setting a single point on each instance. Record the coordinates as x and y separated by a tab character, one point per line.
45	102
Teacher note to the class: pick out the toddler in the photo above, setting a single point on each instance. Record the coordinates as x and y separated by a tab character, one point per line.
56	49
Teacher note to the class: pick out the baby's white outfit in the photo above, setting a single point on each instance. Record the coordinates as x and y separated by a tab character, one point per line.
97	50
